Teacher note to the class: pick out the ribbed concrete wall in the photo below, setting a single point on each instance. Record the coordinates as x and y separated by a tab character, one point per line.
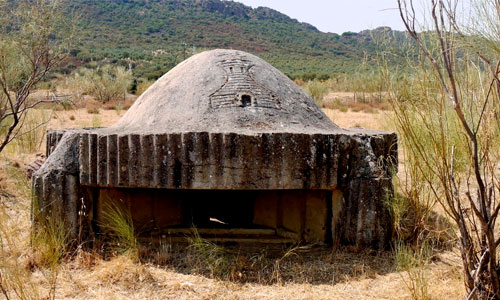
201	160
52	139
360	164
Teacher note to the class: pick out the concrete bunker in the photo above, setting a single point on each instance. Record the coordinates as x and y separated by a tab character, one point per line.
228	144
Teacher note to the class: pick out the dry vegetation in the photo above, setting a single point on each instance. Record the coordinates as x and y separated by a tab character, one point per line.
426	261
201	270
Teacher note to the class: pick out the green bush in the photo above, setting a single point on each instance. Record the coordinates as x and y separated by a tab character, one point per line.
317	90
103	83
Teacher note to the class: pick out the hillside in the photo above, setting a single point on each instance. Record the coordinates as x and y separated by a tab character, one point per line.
155	35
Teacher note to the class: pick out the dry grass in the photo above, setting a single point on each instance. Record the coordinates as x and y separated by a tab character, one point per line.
119	104
118	227
122	278
246	273
32	135
92	107
351	119
344	101
79	118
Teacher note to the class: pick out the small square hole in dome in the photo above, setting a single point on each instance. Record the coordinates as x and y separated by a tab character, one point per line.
246	100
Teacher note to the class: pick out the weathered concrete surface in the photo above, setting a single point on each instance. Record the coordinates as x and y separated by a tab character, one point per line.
57	192
203	160
227	120
204	93
366	181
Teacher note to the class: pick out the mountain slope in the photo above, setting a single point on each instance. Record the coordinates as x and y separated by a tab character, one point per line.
157	34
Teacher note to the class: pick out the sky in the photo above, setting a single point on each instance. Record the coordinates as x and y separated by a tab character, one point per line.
337	15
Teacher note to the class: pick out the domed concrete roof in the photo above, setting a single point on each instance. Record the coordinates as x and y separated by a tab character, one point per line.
224	91
223	120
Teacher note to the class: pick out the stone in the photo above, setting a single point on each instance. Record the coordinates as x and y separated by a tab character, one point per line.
227	121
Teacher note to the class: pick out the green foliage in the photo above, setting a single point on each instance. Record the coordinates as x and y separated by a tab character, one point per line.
104	83
156	35
117	224
413	263
215	258
317	90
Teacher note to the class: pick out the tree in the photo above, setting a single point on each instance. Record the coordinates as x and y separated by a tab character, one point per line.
450	127
34	39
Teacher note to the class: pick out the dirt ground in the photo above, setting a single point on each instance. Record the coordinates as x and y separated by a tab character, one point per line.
325	274
80	118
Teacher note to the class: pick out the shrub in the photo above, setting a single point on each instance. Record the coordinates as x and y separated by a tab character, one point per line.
103	83
448	123
142	87
317	90
32	45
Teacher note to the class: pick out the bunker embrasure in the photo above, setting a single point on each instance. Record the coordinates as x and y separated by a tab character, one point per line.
229	145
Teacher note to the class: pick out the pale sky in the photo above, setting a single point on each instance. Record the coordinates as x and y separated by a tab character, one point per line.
337	15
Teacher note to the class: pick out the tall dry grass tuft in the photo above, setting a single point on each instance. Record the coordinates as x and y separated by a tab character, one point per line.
49	241
49	244
31	134
292	251
17	257
210	256
117	224
416	221
413	263
15	278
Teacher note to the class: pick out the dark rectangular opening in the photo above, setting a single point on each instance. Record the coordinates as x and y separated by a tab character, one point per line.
218	209
289	214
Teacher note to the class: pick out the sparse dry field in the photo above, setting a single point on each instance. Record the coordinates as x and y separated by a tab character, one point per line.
318	273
